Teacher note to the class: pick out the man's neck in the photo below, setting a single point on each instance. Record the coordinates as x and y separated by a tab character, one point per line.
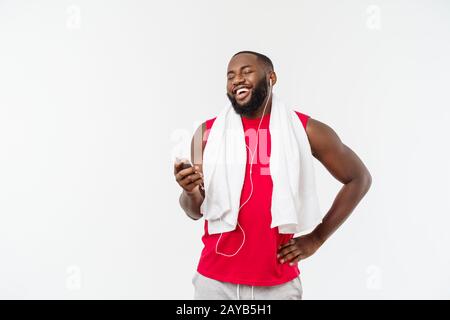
259	112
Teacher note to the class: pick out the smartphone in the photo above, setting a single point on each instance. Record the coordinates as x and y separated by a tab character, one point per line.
187	164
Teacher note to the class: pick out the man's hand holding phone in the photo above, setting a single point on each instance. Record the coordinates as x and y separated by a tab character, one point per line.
188	176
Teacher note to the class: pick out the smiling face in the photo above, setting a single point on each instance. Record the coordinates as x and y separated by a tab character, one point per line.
246	83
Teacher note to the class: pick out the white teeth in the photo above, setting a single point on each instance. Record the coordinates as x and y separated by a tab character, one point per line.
241	90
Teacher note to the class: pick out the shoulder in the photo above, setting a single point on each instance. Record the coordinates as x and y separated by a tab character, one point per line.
322	137
316	130
203	129
199	140
208	123
207	127
303	118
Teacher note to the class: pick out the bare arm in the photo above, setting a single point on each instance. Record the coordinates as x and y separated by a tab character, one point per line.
191	202
192	198
346	167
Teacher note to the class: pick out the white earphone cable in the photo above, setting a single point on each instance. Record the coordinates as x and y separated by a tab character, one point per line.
251	180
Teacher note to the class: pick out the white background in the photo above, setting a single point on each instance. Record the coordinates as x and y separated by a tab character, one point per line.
97	97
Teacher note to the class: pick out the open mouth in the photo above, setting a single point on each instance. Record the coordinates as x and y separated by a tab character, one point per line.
242	93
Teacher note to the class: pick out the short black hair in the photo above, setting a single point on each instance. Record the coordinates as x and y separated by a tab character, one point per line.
264	59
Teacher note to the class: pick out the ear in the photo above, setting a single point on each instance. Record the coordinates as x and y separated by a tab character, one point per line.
273	77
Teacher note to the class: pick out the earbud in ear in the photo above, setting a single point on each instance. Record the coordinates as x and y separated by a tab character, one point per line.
270	81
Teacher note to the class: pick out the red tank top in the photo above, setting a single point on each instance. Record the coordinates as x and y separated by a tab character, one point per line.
256	262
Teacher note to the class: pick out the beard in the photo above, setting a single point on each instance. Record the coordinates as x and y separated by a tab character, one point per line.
258	95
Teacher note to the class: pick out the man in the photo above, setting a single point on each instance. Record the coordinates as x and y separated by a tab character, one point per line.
261	263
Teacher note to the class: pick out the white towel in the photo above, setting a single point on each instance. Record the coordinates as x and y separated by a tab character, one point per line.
295	205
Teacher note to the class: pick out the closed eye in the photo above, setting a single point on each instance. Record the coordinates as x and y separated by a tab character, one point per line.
231	76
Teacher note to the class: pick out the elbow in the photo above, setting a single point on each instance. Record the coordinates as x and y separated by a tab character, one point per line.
362	182
196	217
181	201
366	181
